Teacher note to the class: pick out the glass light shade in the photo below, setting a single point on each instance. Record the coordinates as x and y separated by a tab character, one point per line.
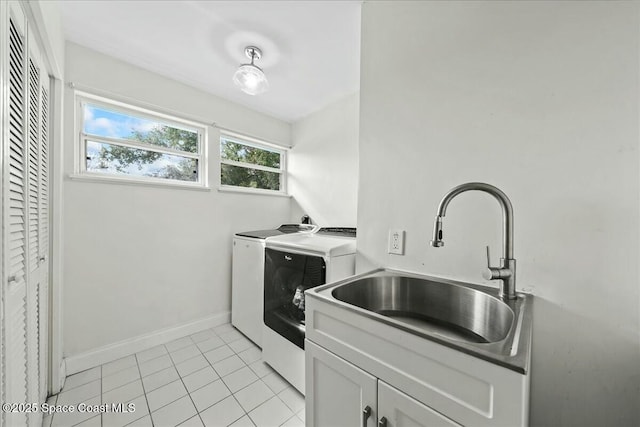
250	79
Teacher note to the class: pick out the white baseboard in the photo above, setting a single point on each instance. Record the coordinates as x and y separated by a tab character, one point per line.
111	352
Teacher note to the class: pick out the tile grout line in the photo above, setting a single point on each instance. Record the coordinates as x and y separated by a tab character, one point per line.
144	390
125	384
114	372
154	357
223	383
90	418
80	385
202	386
185	386
236	399
189	393
238	403
180	377
234	394
219	377
186	360
166	404
276	394
98	415
55	402
198	412
174	365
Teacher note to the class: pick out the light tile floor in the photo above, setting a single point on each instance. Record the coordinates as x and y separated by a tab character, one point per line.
213	378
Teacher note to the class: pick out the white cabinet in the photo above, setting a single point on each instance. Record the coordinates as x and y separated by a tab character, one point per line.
339	394
427	383
247	295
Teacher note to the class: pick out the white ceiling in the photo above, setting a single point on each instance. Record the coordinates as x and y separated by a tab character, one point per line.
311	49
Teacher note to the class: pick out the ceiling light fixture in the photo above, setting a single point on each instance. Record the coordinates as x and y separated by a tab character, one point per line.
249	77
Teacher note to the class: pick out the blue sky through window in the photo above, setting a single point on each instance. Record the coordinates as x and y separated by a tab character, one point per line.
102	122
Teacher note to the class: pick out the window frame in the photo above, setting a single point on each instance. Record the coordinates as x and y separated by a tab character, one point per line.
201	156
226	135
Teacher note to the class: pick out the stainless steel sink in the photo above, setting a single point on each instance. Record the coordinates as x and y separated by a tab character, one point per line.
456	312
464	316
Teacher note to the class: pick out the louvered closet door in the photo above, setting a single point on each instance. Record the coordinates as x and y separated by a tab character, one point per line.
36	260
15	193
33	216
25	220
43	240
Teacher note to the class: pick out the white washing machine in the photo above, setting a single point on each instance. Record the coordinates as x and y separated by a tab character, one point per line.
247	277
293	264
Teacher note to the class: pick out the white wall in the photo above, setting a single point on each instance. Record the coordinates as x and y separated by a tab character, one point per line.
46	15
323	164
139	259
540	99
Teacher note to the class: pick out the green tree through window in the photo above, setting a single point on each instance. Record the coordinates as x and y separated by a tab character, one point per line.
248	166
181	168
132	142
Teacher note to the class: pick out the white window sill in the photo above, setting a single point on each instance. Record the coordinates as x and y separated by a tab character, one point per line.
254	191
129	181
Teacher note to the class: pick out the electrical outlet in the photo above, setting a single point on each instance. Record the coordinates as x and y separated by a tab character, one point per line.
396	242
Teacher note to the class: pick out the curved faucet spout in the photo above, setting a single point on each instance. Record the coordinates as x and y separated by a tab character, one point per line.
506	271
505	204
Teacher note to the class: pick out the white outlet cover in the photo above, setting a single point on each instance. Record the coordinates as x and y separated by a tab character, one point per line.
396	242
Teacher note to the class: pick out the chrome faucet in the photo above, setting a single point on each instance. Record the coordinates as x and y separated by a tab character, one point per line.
507	270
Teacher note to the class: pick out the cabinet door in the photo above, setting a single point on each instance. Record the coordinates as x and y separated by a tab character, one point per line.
247	297
337	392
397	409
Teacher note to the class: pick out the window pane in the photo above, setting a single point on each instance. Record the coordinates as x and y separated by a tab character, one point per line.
118	160
100	121
251	178
230	150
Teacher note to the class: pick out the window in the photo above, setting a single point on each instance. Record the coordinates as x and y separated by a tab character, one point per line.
251	164
123	142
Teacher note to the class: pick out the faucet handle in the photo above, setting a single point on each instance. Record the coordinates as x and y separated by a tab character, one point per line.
490	273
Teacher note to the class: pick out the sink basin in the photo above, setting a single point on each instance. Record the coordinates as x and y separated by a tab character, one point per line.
464	316
455	312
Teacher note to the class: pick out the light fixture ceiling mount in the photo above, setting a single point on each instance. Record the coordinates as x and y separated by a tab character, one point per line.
253	52
249	77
